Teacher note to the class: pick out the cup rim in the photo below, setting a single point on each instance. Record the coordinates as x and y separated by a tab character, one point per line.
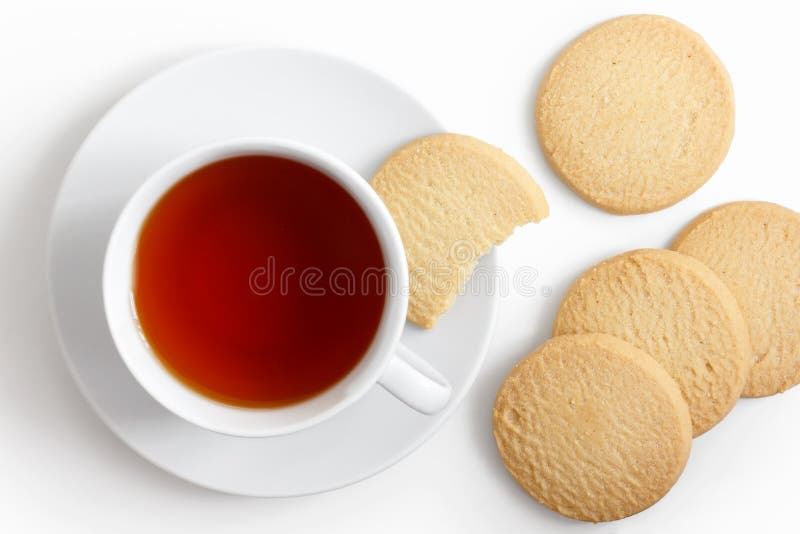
184	401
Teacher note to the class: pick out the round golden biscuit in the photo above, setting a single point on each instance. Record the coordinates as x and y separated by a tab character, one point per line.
754	247
676	310
592	427
636	114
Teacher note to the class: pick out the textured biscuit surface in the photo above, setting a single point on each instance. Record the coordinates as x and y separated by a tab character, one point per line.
452	197
592	427
678	311
636	114
754	247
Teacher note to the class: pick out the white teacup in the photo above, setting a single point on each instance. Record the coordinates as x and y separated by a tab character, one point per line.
386	362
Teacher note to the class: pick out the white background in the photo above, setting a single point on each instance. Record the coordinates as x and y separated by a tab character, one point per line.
476	65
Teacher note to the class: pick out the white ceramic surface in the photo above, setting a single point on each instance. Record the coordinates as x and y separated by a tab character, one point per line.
317	100
428	392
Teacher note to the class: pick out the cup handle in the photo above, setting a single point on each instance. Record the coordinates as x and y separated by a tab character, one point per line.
412	380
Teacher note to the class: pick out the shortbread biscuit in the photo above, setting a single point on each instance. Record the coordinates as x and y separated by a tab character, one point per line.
592	427
754	247
452	197
636	114
675	309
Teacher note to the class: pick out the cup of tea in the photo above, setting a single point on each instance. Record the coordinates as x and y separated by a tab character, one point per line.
257	287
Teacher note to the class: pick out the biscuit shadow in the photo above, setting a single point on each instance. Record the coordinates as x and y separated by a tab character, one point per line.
538	74
681	226
480	415
43	366
499	362
480	405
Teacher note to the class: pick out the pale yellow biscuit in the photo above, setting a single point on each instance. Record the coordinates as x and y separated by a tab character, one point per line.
675	309
755	248
592	427
452	197
636	114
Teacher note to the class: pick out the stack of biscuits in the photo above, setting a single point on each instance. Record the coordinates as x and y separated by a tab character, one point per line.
651	348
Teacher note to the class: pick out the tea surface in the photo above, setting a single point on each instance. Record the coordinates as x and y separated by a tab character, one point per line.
258	281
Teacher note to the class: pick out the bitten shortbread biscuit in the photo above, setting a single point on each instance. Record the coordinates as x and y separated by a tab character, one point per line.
678	311
754	247
592	427
452	197
636	114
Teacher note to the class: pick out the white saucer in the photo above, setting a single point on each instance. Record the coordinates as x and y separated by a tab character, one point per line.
334	105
